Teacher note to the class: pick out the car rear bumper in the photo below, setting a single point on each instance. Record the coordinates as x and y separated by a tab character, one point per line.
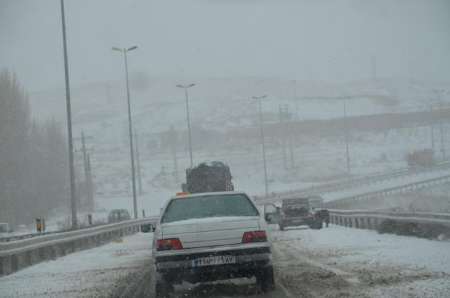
176	268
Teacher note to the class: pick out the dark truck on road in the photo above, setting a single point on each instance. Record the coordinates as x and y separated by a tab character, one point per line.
294	212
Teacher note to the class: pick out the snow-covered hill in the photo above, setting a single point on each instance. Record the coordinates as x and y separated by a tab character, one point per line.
99	110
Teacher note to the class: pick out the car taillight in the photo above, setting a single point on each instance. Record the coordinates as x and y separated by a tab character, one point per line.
169	244
254	236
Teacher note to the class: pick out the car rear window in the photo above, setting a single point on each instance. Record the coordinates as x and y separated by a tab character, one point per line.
209	206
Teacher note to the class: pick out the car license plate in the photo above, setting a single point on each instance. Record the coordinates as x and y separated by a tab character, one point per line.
213	260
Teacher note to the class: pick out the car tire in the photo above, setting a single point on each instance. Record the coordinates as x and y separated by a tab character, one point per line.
265	279
316	225
163	289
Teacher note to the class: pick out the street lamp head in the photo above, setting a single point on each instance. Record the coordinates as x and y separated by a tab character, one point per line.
132	48
259	97
186	86
117	49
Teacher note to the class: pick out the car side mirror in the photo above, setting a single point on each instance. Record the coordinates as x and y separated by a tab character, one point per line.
147	228
271	214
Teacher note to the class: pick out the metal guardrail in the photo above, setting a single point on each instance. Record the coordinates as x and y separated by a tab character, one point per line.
25	236
336	203
396	214
37	234
366	219
16	255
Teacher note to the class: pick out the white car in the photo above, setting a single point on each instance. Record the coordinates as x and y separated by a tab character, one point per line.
211	236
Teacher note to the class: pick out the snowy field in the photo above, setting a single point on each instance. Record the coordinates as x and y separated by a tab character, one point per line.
316	161
403	180
332	262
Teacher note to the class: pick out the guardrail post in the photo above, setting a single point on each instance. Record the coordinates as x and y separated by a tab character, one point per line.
14	263
2	266
363	222
6	265
377	223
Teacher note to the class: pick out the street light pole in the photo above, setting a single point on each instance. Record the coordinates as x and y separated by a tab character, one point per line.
188	118
130	126
138	161
432	131
73	202
441	125
259	100
347	151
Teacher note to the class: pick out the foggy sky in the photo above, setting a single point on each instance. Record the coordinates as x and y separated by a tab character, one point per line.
294	39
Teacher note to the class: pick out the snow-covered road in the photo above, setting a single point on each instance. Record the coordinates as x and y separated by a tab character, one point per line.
332	262
363	263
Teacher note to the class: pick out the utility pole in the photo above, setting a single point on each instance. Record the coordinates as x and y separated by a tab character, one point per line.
90	184
441	126
290	138
87	174
259	100
73	203
138	165
287	142
432	130
173	147
347	137
124	51
281	115
188	118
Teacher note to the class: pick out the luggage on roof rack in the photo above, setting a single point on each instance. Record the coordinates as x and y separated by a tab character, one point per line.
208	177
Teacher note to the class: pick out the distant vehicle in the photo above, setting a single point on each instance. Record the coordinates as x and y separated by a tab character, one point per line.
211	236
4	227
318	209
208	177
293	212
118	215
420	158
